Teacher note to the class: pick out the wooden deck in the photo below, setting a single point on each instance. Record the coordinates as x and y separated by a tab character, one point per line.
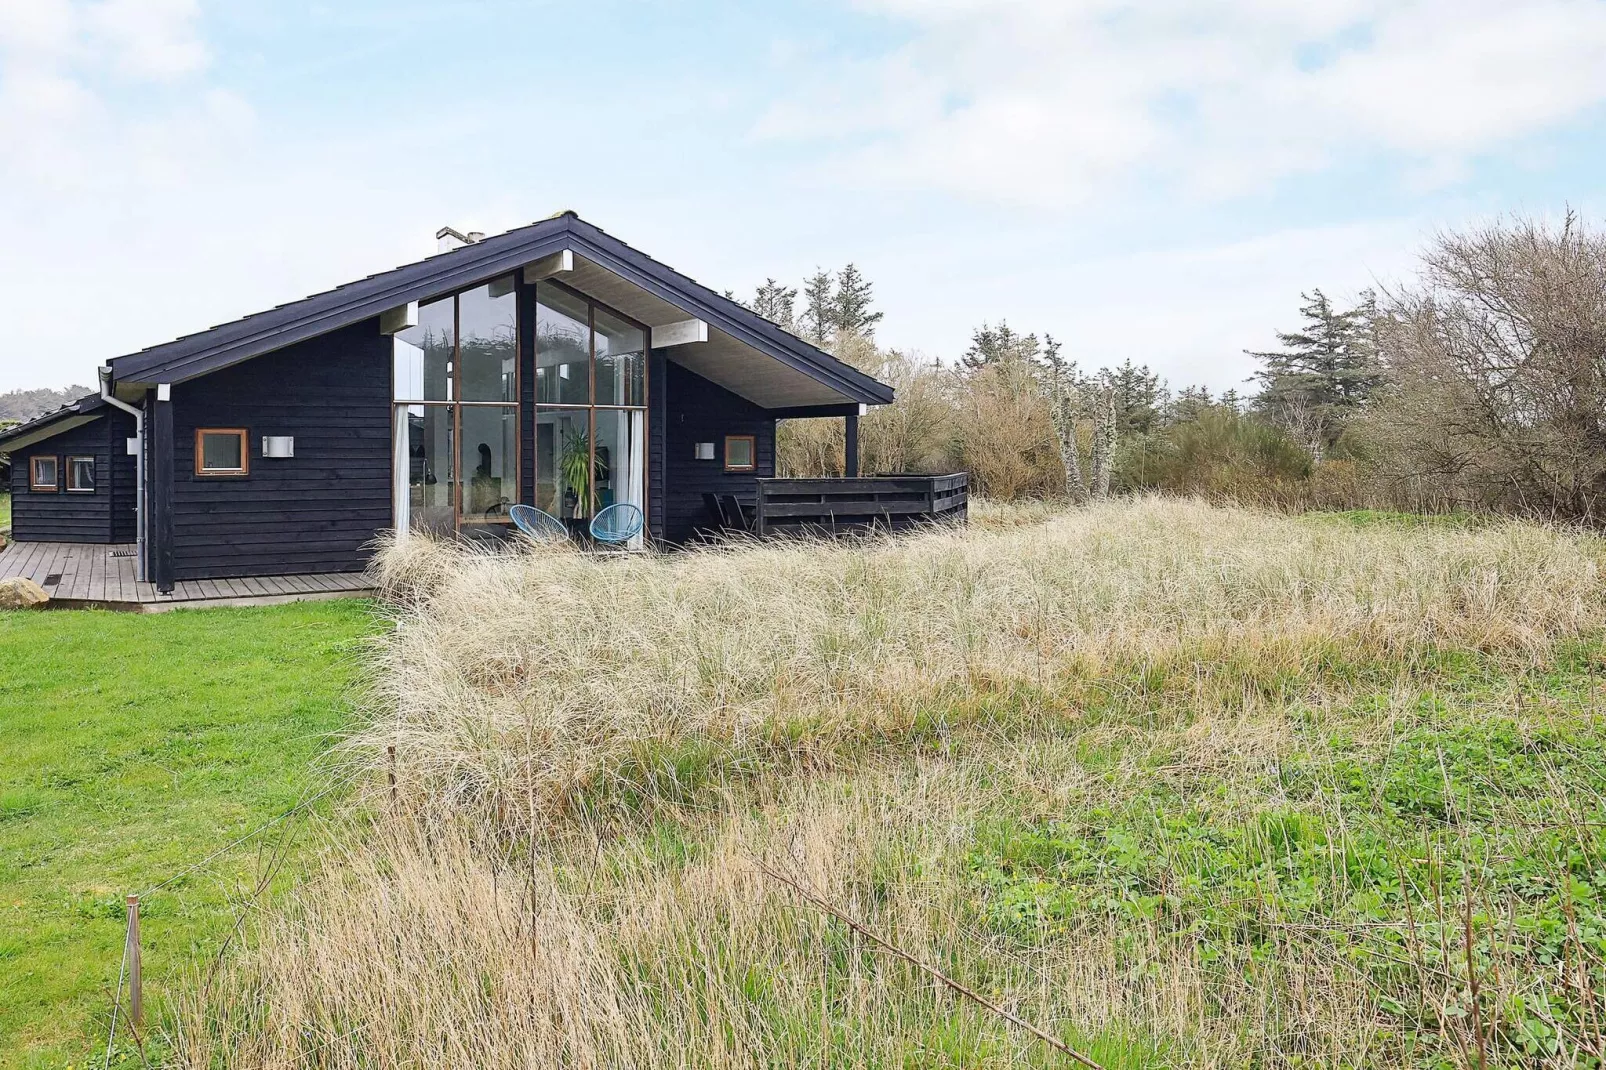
839	505
80	575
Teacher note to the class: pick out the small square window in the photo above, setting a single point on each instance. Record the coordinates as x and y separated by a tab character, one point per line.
222	452
741	453
44	474
81	475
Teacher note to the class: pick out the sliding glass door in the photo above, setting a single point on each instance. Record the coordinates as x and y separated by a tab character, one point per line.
591	406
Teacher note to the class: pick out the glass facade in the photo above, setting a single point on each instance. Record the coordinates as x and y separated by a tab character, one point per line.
487	326
590	397
562	459
458	409
562	348
456	385
426	435
621	361
490	464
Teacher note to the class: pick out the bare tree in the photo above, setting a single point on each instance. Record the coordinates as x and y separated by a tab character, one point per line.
1497	364
1306	423
1064	406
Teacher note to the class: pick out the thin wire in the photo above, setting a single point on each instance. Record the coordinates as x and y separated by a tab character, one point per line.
221	851
117	996
811	896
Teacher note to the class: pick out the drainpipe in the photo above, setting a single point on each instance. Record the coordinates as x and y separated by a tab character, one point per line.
139	465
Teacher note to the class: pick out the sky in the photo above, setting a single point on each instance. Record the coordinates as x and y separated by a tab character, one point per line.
1155	181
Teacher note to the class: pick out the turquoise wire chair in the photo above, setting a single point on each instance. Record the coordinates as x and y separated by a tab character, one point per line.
617	523
538	525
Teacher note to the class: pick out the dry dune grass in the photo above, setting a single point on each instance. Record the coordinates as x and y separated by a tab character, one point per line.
426	949
517	682
1185	785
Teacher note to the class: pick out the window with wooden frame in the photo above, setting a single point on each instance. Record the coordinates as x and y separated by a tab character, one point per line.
741	453
222	451
44	474
81	475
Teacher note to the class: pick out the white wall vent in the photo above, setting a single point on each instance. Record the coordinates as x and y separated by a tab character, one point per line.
278	446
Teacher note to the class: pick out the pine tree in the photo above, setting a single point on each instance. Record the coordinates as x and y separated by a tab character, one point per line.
819	310
776	303
1189	404
1325	372
1000	345
1137	395
851	304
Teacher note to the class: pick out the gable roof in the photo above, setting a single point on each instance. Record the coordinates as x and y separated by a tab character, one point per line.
74	414
444	273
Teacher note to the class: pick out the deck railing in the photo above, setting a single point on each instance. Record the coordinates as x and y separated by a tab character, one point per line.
831	506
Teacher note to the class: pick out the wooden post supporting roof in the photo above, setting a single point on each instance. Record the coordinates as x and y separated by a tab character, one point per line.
162	492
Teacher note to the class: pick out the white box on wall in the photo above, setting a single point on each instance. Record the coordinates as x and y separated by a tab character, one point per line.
278	446
705	451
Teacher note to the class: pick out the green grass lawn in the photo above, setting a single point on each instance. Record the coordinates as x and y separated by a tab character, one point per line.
5	512
130	747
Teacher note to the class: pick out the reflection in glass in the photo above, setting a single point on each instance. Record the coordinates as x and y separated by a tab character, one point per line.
423	355
562	348
562	457
490	463
621	361
487	324
426	432
222	451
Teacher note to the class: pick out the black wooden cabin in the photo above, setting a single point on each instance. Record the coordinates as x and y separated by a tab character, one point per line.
553	365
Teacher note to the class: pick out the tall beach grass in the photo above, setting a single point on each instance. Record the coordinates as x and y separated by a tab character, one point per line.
1181	784
517	683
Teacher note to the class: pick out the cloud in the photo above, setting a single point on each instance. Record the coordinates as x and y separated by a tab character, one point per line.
1050	101
155	39
64	64
1188	309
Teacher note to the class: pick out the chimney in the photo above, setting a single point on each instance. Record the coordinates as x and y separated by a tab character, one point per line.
449	238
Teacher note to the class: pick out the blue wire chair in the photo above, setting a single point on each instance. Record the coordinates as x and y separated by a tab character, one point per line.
540	526
617	523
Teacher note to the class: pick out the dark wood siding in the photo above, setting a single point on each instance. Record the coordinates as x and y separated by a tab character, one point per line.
38	516
657	421
700	411
125	477
314	512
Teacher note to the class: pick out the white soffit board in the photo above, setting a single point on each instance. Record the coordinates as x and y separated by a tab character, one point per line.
398	319
602	284
748	373
684	332
559	263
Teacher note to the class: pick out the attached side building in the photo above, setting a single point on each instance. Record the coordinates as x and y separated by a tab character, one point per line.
553	365
73	475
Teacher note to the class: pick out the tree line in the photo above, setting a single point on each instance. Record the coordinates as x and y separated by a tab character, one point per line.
20	406
1477	384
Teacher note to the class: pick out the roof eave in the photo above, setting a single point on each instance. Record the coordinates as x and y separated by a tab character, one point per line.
188	357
